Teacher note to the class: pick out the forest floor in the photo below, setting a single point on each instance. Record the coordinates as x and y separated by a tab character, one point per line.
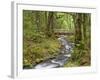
36	52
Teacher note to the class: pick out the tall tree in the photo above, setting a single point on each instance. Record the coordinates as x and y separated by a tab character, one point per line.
86	28
37	17
50	24
78	23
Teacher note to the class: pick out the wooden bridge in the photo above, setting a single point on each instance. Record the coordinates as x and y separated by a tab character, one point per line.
62	32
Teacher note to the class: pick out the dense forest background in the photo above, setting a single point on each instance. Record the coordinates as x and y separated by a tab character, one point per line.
40	36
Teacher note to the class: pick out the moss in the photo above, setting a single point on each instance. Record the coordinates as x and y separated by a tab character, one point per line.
36	52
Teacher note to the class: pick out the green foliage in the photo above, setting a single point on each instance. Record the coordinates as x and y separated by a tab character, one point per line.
71	64
81	54
40	42
65	21
37	37
40	50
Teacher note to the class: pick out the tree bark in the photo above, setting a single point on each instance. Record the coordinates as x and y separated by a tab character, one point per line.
78	33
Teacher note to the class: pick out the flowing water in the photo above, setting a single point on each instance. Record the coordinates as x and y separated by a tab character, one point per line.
59	60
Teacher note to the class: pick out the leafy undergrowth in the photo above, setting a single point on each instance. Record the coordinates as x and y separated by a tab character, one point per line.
71	64
39	49
78	63
80	57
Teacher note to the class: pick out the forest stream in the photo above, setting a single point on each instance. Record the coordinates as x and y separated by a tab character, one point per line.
54	39
59	60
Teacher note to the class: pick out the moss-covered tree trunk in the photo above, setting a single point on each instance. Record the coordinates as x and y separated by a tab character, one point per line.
50	24
78	23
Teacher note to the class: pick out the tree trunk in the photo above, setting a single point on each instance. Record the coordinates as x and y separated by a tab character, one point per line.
50	24
78	33
37	17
